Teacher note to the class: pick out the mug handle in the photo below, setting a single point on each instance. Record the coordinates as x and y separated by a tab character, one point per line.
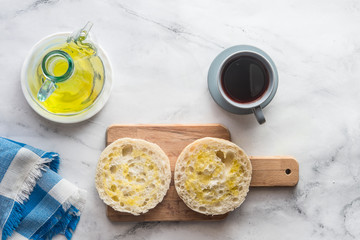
259	114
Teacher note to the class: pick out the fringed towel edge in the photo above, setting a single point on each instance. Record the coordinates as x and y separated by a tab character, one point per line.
54	160
65	219
13	220
30	181
49	159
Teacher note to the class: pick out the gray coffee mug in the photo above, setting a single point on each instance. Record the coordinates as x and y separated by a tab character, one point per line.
218	92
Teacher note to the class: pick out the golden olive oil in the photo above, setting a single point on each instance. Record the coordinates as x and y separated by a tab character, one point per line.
81	89
60	67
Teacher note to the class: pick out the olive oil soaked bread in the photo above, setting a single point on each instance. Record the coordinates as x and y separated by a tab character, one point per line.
212	176
132	175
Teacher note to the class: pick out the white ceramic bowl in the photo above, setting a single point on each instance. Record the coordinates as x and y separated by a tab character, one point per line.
36	53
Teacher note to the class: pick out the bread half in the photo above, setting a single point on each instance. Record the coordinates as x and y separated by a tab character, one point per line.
132	175
212	176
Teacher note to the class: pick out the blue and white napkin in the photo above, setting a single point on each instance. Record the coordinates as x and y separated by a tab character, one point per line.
35	202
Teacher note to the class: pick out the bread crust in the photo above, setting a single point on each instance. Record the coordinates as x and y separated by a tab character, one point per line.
132	175
212	176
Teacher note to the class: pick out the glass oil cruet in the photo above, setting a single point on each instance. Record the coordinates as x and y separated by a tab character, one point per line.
66	76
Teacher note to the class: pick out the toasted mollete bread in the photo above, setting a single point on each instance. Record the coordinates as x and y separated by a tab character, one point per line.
212	176
132	175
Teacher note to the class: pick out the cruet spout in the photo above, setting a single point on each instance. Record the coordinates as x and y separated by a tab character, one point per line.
81	37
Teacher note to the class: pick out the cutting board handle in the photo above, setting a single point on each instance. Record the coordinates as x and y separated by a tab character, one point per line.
274	171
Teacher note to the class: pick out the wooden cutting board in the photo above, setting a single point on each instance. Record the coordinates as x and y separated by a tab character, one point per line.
267	171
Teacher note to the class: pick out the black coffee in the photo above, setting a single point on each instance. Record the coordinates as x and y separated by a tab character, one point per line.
244	79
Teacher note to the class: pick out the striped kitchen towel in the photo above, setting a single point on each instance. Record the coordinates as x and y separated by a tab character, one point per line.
35	202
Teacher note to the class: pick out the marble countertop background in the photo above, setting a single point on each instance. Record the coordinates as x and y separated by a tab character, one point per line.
160	52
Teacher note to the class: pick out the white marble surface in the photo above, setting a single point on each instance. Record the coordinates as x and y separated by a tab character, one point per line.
161	52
